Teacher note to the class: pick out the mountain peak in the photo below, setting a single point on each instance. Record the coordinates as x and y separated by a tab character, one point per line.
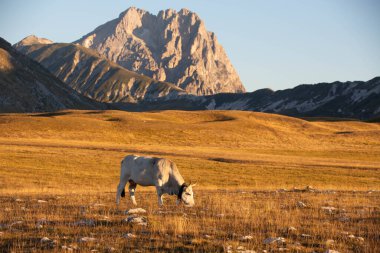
31	40
131	11
171	46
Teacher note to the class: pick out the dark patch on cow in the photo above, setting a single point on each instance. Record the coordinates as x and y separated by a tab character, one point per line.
123	193
131	182
181	190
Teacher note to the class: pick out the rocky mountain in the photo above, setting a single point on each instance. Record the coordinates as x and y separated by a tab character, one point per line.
26	86
90	74
31	40
171	46
360	100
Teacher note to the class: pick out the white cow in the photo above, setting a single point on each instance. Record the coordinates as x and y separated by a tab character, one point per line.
151	171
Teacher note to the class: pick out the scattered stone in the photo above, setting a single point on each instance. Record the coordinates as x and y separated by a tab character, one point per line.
85	222
47	243
220	215
356	238
300	204
138	220
110	249
272	240
16	224
359	238
87	239
45	239
282	190
331	251
129	235
40	223
309	188
208	236
99	205
329	209
41	201
19	200
135	211
246	238
282	249
344	218
104	218
290	230
94	250
305	235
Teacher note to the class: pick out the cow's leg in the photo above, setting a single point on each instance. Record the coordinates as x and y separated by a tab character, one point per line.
132	189
120	190
159	195
159	191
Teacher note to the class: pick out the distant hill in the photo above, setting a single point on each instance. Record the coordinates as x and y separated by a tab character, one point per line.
92	75
358	99
26	86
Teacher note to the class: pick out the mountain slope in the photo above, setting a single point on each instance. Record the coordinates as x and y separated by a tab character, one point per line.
26	86
350	100
172	46
95	77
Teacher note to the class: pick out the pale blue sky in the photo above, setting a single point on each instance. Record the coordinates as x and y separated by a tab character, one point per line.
272	43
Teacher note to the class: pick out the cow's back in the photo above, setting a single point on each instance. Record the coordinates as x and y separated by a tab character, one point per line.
140	169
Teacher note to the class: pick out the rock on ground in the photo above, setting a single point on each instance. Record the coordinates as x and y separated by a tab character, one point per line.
135	211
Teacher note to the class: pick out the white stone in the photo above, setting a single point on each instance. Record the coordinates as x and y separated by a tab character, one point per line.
300	204
272	240
45	239
246	238
129	235
135	211
87	239
141	221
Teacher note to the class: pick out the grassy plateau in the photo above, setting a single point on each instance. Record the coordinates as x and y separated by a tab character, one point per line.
59	172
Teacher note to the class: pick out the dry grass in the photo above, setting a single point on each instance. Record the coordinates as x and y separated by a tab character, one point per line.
76	155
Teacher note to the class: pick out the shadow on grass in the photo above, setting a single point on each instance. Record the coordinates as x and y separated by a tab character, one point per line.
344	132
51	114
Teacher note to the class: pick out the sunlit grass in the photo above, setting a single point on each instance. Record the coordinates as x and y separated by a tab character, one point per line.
77	154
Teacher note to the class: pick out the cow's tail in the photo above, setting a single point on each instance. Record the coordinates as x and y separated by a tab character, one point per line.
123	193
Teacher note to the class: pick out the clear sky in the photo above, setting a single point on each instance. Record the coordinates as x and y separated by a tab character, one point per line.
272	43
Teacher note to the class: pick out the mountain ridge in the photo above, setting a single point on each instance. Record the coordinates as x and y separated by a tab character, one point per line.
92	75
26	86
357	99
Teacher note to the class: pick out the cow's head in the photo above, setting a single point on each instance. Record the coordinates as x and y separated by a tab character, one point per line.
187	195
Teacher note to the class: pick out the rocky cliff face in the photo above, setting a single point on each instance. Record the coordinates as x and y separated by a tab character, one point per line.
94	76
26	86
172	46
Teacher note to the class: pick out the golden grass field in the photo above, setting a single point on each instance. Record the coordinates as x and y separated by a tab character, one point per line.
71	159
